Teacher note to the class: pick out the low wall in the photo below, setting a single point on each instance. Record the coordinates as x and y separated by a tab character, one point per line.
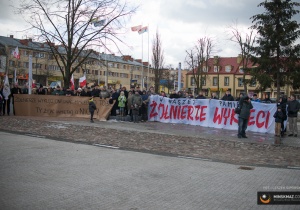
60	106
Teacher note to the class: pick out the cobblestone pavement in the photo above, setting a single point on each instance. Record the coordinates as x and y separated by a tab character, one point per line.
162	138
38	173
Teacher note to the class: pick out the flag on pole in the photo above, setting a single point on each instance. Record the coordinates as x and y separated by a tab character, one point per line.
136	28
82	81
99	23
16	53
144	29
72	83
15	77
94	20
6	88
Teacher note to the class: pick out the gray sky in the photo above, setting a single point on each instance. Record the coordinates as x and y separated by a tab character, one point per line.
180	23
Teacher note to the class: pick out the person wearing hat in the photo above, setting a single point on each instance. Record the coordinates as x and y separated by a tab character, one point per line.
246	106
254	98
92	108
279	118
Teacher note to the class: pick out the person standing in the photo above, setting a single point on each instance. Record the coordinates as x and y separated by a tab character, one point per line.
121	103
227	96
200	96
246	106
15	90
293	108
136	103
92	108
255	98
279	118
214	96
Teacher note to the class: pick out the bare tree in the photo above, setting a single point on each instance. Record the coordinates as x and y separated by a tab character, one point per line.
157	60
71	28
197	60
245	46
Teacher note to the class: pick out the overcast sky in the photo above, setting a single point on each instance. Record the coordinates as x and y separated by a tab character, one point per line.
179	22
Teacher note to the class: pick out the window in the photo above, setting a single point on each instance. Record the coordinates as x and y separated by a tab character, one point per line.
38	55
192	81
110	74
227	68
118	66
215	81
241	70
36	65
50	57
53	68
123	75
252	83
87	71
11	63
226	81
203	81
110	64
240	82
25	53
124	66
25	65
138	68
216	68
204	69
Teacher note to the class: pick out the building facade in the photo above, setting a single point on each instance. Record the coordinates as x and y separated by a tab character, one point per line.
226	73
119	70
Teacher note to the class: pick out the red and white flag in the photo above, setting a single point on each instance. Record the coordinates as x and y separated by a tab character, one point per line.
16	53
144	29
72	83
82	81
136	28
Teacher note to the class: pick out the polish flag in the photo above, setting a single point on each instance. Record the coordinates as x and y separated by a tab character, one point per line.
82	81
136	28
72	83
144	29
16	53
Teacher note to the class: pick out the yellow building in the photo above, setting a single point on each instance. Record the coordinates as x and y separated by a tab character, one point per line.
120	70
226	73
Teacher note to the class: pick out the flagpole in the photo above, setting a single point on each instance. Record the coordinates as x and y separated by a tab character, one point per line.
148	61
30	75
142	81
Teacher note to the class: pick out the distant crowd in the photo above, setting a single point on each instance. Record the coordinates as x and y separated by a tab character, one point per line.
134	102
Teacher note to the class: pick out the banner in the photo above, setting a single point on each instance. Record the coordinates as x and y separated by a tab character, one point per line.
210	113
60	106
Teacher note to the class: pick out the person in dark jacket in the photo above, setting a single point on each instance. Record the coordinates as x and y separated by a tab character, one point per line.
136	103
41	90
293	109
92	108
174	95
15	90
114	96
200	95
279	117
267	100
283	103
246	106
240	97
227	96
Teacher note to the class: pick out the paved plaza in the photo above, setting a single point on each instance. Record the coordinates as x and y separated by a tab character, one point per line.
39	173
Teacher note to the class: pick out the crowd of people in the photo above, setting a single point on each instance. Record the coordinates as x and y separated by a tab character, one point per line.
134	102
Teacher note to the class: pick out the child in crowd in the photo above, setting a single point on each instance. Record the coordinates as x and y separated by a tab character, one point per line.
279	118
92	108
121	104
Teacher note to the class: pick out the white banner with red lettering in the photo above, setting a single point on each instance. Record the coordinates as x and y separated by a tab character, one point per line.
210	113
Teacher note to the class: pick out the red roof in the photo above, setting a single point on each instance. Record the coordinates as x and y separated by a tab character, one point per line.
223	62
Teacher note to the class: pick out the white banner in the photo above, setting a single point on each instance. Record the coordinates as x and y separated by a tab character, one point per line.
210	113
